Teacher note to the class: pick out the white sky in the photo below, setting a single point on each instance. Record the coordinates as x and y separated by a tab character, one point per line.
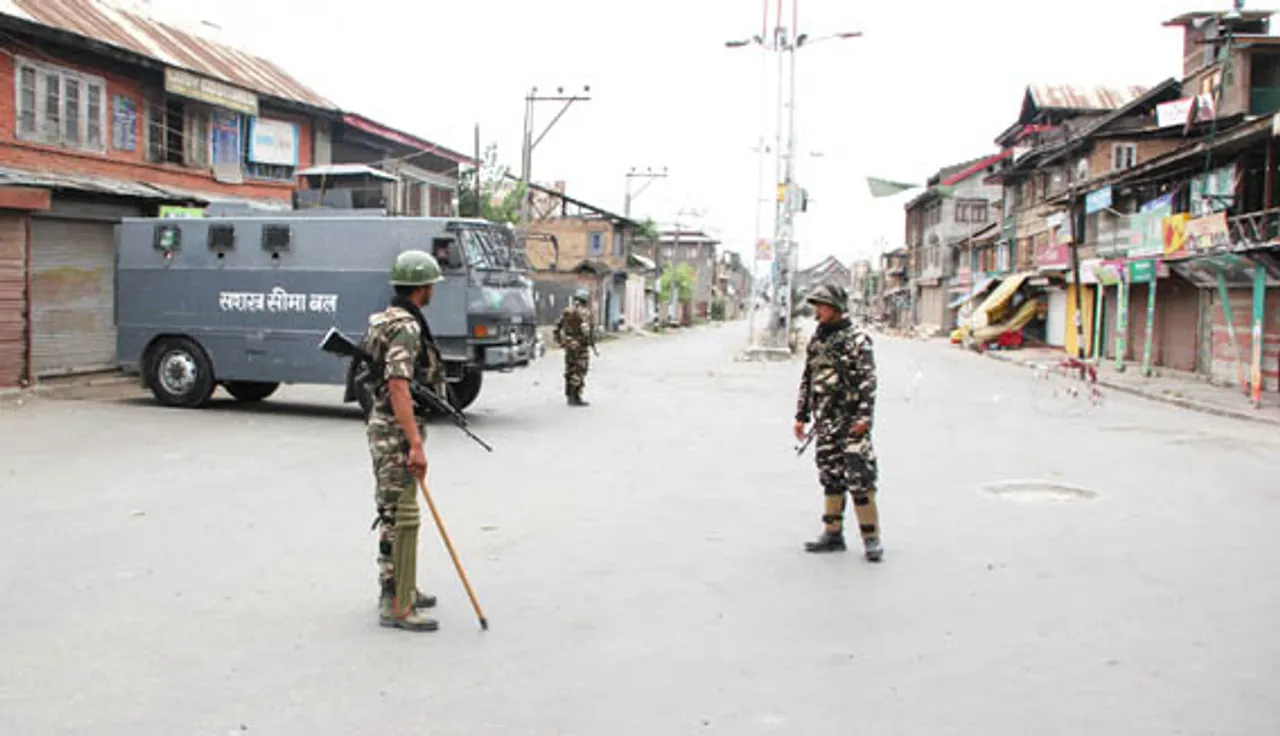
931	83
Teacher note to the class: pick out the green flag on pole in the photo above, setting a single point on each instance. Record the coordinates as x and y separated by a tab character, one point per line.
886	188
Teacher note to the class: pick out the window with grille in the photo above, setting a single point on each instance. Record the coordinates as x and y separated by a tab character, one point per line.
1123	156
58	106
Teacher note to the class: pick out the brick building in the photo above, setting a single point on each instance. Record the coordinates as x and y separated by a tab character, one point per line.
106	113
592	248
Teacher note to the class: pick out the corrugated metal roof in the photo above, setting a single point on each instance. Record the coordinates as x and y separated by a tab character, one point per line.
1073	97
175	47
122	187
347	170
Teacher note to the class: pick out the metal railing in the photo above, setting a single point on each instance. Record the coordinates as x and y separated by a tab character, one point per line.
1255	228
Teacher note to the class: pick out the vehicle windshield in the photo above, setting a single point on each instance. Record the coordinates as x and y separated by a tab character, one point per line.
493	249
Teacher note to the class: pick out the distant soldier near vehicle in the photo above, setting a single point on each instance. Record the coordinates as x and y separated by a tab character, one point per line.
838	391
403	352
576	334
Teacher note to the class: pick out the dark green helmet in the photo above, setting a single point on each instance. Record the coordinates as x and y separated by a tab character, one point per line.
582	295
415	268
831	295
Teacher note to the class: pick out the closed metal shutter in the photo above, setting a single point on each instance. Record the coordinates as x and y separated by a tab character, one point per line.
13	297
1178	317
73	296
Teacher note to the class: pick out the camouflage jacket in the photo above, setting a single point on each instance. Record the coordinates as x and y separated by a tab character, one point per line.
574	330
394	339
839	381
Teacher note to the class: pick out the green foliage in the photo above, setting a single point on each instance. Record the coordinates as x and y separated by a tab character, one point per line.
499	202
648	230
684	277
717	309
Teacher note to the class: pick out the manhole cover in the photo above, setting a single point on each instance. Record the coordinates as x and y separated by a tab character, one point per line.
1038	490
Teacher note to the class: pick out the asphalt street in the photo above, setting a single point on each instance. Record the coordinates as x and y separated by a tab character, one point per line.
211	571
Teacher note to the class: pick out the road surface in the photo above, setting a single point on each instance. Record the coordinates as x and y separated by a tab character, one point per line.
212	571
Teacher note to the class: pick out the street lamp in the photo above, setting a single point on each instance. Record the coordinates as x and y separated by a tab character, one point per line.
785	261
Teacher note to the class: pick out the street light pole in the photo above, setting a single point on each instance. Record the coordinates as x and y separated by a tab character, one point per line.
785	258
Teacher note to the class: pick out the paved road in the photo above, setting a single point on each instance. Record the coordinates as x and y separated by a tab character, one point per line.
199	572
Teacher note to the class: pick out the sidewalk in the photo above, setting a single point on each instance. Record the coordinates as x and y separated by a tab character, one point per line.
69	387
1186	390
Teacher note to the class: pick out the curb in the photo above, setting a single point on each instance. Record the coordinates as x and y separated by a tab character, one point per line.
60	387
1189	404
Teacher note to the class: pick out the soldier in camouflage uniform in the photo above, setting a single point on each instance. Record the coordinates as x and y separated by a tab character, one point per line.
838	391
403	351
575	333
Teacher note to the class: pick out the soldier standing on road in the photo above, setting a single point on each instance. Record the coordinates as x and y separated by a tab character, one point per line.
838	390
404	351
576	333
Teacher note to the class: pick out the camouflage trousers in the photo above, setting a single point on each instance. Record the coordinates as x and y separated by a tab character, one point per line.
846	465
577	359
396	501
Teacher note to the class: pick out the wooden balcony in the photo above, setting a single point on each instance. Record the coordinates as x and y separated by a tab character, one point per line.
1255	228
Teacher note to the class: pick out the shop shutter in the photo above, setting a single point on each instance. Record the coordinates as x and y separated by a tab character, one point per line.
73	296
13	297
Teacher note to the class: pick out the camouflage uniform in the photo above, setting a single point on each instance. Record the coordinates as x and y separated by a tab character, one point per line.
838	390
576	334
394	339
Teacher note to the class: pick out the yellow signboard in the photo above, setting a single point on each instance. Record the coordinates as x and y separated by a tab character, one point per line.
204	89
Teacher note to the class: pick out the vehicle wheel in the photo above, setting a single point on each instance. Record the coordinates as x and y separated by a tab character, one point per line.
250	391
463	393
179	373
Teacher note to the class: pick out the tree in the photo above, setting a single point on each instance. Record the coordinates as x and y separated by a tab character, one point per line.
684	277
648	230
499	197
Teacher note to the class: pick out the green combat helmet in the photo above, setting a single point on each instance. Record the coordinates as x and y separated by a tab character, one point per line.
582	295
832	296
415	268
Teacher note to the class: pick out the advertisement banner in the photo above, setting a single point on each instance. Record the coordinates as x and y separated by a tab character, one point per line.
1209	233
1146	239
273	142
764	250
1097	200
1214	191
1174	235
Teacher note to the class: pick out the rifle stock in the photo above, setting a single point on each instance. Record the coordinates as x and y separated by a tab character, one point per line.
424	399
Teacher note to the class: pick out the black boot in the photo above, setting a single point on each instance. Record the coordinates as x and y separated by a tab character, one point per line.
576	400
874	550
828	542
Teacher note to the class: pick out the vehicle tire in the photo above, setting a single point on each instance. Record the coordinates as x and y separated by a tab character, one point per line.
250	392
463	393
179	373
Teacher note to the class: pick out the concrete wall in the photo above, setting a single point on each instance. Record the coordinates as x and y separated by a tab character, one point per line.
553	292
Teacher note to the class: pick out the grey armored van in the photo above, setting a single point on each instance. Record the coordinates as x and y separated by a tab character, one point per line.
243	301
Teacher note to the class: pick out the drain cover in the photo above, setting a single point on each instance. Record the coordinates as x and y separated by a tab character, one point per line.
1038	490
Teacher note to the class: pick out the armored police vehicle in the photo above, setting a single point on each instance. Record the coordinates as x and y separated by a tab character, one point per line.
243	301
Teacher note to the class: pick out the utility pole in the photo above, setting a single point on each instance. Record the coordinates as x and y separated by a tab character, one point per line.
649	174
529	142
479	172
